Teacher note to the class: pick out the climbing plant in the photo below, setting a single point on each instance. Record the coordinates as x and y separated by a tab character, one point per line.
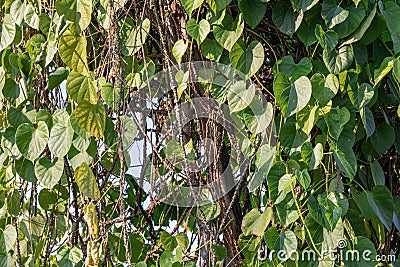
312	88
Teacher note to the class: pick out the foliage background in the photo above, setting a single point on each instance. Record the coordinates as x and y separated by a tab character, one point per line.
330	68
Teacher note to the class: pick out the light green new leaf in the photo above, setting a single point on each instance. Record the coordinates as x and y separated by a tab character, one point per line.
324	88
168	241
72	50
228	32
255	223
199	31
133	37
179	50
61	135
292	97
338	61
81	88
190	5
31	140
381	201
77	11
8	31
333	14
91	118
285	18
361	95
86	182
253	11
49	173
247	60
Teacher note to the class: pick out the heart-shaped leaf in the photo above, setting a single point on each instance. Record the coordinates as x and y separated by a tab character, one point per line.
328	39
61	135
72	51
324	89
361	95
381	201
255	222
285	18
31	140
333	14
247	60
199	31
338	61
228	32
293	70
91	118
86	182
179	50
292	97
253	11
49	172
81	88
336	119
190	5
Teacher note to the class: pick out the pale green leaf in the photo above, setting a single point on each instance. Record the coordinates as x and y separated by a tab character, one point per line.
91	118
49	172
86	182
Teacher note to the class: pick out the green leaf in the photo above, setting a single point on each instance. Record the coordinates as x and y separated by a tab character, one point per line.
57	77
211	49
129	131
61	135
17	9
285	185
287	243
81	88
218	5
199	31
312	156
134	36
72	51
377	173
210	210
220	252
86	182
255	223
383	138
367	119
31	18
304	178
8	31
384	69
190	5
168	241
228	32
352	22
359	33
179	50
240	96
303	5
338	61
361	95
167	259
292	97
256	117
182	240
344	155
253	11
285	18
91	118
77	11
391	12
336	119
294	71
381	202
333	14
324	88
31	140
361	244
328	39
109	93
247	60
49	172
292	138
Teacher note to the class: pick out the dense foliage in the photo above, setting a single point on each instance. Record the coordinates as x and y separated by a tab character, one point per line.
324	168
